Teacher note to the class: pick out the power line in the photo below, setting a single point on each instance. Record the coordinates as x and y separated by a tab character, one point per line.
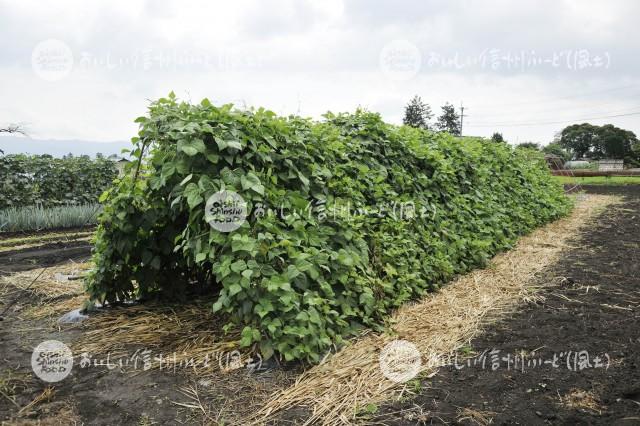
584	108
524	124
594	113
580	95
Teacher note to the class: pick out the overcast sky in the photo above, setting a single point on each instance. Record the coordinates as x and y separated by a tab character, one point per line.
86	69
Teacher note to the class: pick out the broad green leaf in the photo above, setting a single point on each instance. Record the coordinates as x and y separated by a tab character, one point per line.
191	147
192	192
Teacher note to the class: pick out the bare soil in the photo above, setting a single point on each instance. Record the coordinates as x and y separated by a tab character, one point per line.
48	254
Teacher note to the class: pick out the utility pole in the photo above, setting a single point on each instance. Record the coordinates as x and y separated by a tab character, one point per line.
461	117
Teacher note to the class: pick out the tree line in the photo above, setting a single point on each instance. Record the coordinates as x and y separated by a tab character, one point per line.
418	114
589	141
573	142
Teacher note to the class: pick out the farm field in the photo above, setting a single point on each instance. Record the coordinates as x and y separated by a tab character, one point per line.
297	212
591	276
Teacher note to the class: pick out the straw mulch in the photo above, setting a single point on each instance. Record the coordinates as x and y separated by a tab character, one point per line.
439	325
50	283
45	293
578	399
186	334
53	310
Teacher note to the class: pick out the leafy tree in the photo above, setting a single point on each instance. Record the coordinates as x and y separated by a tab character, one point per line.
497	137
449	121
579	139
554	148
529	145
609	141
417	113
634	156
614	142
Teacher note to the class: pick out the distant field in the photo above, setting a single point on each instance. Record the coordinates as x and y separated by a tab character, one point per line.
599	180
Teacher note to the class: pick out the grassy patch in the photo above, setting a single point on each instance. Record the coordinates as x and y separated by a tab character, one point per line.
599	180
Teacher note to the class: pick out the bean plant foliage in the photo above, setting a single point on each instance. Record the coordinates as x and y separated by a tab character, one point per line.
322	253
45	181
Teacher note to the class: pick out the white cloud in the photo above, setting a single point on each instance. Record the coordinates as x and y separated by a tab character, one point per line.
313	56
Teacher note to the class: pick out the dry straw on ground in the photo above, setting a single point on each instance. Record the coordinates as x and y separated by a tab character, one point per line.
44	294
475	417
53	310
46	396
46	283
578	399
189	335
334	391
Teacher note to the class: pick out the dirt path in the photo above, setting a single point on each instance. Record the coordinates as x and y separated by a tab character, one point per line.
592	308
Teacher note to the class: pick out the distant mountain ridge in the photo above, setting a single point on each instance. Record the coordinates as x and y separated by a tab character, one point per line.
11	144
